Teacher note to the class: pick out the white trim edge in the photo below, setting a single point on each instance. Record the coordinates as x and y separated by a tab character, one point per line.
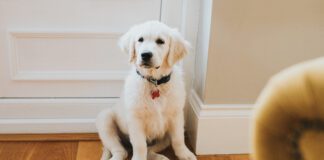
218	128
47	125
51	115
218	110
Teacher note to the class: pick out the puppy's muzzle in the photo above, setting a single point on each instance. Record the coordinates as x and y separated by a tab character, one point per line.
146	59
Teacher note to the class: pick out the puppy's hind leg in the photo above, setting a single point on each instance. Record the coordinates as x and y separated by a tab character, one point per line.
158	147
155	156
108	133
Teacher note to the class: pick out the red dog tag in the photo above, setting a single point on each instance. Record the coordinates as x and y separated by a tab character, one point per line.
155	94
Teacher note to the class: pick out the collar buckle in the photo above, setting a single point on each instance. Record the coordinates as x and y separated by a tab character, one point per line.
154	81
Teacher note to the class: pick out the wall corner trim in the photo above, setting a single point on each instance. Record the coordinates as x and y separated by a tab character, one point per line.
218	110
219	128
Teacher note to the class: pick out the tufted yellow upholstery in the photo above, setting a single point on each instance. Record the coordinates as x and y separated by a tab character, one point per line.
293	95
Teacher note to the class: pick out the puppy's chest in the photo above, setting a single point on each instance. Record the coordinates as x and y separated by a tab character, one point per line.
155	122
152	109
154	114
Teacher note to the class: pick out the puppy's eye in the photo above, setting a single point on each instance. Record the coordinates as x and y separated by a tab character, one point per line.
159	41
141	39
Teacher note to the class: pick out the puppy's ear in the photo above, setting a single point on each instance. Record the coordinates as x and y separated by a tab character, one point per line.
127	44
178	47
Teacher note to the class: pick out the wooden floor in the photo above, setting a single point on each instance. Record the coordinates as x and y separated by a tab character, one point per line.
73	150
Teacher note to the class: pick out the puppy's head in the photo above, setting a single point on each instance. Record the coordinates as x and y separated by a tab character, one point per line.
152	45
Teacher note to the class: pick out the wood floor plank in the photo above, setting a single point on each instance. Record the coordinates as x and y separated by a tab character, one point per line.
215	157
75	150
240	157
89	150
54	151
38	150
16	150
224	157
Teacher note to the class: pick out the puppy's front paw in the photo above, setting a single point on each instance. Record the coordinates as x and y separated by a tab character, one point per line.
139	158
105	154
186	155
117	157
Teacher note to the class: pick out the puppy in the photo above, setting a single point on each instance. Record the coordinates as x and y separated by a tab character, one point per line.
151	107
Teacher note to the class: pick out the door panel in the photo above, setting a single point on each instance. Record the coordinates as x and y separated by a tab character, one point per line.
66	48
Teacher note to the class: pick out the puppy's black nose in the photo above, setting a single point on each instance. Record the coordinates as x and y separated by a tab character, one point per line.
146	56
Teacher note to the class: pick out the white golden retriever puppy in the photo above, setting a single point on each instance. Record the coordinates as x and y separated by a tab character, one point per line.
150	113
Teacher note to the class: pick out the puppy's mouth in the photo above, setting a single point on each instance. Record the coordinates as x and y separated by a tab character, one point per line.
147	65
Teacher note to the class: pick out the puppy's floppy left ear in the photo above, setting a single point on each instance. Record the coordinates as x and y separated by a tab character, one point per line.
178	47
126	44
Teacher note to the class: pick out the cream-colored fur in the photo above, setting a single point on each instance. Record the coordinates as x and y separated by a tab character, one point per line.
137	115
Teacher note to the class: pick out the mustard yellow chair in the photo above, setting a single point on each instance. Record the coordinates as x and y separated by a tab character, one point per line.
288	122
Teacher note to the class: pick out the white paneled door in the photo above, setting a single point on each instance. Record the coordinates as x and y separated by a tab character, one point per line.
66	48
59	60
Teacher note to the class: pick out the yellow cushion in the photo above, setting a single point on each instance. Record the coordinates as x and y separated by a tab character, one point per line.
312	145
295	94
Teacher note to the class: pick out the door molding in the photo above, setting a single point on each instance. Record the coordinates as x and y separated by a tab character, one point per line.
51	115
19	75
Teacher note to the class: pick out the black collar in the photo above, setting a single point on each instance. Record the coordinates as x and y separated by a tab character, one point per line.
156	82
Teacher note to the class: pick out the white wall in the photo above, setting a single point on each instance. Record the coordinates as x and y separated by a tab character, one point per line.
253	39
240	45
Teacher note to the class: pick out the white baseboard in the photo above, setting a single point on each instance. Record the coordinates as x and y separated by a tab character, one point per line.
218	128
47	125
52	115
213	129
